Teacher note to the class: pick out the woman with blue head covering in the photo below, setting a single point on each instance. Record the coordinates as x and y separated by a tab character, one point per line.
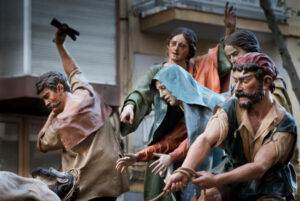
182	100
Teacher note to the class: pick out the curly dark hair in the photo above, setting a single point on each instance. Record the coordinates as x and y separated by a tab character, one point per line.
244	39
190	36
51	80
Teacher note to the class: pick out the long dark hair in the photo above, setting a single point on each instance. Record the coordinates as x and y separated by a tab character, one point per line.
190	36
244	39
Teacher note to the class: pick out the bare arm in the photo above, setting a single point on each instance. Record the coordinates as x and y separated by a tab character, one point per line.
263	161
202	145
67	60
196	155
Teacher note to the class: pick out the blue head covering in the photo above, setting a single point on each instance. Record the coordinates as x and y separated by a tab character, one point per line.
184	88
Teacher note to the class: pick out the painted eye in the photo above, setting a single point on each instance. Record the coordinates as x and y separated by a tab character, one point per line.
173	43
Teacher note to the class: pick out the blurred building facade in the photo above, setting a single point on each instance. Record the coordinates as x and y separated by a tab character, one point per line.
119	40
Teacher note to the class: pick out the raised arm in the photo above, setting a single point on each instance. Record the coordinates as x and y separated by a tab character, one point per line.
229	20
67	60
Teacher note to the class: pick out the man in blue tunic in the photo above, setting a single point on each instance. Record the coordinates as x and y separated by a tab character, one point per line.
257	134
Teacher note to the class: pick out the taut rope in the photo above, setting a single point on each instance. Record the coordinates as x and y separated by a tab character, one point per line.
187	172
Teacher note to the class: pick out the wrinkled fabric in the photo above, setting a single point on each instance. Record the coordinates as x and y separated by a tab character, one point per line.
175	79
17	188
212	70
83	114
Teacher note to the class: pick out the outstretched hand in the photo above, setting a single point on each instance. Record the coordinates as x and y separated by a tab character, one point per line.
59	37
127	115
123	163
229	19
161	165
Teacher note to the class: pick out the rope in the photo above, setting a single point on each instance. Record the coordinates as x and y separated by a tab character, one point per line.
159	196
76	175
187	172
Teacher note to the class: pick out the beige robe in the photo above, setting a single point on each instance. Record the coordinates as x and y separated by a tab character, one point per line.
94	156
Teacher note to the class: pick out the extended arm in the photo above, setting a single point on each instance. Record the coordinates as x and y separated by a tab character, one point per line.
138	103
263	161
67	60
202	145
196	155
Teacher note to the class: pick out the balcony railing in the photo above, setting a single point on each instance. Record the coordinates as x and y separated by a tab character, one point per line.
243	8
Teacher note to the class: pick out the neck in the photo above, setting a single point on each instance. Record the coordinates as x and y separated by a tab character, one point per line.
261	109
179	63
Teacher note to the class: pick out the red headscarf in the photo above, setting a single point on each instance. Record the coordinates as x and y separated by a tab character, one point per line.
262	60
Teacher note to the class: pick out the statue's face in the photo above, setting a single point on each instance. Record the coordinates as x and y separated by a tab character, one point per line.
248	89
178	49
233	52
165	94
53	99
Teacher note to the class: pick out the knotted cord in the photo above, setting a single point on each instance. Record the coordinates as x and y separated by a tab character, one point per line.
76	178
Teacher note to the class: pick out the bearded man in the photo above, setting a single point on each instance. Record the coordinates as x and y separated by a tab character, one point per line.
258	136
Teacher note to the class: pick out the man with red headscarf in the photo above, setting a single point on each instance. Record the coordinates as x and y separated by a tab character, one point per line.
257	134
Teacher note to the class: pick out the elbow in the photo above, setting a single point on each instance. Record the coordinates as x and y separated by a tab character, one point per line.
260	171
